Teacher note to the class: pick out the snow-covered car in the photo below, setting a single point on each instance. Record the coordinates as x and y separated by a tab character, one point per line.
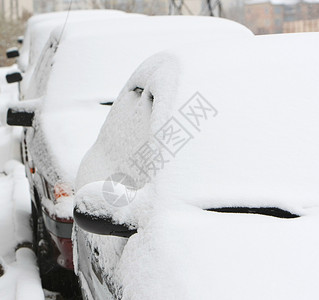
203	182
40	26
10	137
37	33
73	77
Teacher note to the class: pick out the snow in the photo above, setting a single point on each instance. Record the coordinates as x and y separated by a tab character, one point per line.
63	208
9	145
38	31
40	26
10	136
8	92
29	106
12	49
258	147
91	65
258	150
90	199
21	279
186	253
121	51
182	252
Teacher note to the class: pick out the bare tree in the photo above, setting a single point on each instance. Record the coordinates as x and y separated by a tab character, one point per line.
127	5
175	7
212	8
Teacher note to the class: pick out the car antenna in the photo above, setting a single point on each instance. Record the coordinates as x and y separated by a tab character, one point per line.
66	20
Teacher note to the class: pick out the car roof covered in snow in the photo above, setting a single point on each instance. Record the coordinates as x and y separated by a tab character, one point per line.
40	26
117	49
91	65
245	117
38	32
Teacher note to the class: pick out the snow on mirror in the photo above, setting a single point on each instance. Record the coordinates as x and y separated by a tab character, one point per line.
119	189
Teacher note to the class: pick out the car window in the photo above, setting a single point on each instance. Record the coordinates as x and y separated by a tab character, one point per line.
41	73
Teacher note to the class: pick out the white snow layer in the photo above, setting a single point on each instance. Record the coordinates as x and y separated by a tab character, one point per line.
10	136
183	252
187	253
40	26
63	208
21	278
257	146
91	65
38	32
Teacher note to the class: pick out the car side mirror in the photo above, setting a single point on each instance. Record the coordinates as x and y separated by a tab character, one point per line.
12	52
20	39
103	225
19	118
14	77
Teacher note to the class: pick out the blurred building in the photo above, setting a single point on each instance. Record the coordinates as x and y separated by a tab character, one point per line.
301	26
277	16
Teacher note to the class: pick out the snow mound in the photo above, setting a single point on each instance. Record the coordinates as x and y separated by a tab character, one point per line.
257	144
90	66
249	126
38	32
40	26
21	276
10	136
186	253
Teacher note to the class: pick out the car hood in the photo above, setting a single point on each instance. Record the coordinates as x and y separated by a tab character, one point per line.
187	253
58	150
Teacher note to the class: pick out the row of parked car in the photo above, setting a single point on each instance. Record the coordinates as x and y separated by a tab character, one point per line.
172	172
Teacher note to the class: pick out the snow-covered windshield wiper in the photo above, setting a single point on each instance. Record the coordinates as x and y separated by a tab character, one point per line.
267	211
